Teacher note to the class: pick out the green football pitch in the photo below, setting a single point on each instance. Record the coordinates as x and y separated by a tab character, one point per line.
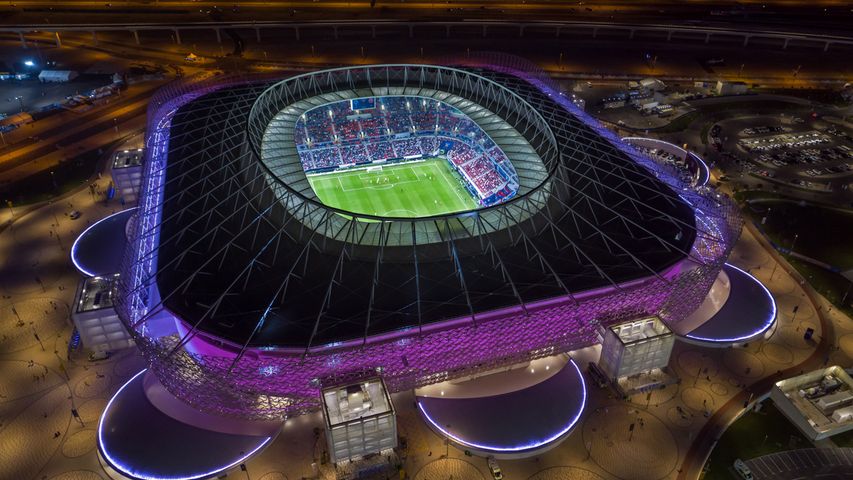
416	189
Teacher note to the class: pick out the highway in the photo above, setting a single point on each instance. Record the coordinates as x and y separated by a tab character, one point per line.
67	134
832	16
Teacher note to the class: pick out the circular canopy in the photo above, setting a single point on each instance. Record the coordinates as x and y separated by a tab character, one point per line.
519	422
748	312
142	442
99	249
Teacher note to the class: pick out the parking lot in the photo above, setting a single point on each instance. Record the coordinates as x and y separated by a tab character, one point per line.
30	95
807	153
807	463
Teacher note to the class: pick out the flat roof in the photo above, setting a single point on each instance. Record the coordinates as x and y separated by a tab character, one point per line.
128	158
816	396
640	329
354	401
97	293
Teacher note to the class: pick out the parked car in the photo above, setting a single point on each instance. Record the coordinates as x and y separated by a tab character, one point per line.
495	469
742	470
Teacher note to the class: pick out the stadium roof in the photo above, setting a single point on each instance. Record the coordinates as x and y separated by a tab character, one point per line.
251	257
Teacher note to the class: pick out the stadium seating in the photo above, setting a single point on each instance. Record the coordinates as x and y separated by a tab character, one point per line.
334	135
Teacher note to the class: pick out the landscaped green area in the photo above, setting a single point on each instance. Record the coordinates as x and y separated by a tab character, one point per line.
753	435
711	112
822	233
414	189
844	440
831	285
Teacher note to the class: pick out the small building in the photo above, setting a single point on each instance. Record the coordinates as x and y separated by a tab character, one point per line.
636	346
730	88
95	316
817	402
652	84
57	76
127	173
360	420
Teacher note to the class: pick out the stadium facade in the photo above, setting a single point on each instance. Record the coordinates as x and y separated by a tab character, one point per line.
248	295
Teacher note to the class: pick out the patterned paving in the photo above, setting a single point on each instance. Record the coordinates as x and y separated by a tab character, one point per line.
27	442
778	353
274	476
79	443
449	469
697	399
20	380
566	473
78	475
743	363
43	316
650	452
92	385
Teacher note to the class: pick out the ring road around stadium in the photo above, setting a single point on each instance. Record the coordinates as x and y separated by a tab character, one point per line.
413	222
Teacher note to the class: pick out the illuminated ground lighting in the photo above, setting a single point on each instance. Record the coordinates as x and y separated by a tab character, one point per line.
87	236
133	472
706	172
765	324
531	446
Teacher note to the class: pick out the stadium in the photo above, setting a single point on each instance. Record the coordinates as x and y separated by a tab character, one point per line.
415	223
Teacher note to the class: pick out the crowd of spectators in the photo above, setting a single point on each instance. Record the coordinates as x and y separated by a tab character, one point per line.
399	126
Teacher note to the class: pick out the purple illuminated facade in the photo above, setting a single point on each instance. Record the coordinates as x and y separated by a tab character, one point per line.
219	376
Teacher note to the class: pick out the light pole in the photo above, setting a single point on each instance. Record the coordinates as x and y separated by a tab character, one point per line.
794	242
20	100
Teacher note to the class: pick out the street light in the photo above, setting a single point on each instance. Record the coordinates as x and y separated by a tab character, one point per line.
20	100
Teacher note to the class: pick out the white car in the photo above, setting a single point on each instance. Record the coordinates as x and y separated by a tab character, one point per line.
742	470
495	469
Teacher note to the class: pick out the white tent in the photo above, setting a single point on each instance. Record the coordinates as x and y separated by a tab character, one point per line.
652	84
57	75
842	414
